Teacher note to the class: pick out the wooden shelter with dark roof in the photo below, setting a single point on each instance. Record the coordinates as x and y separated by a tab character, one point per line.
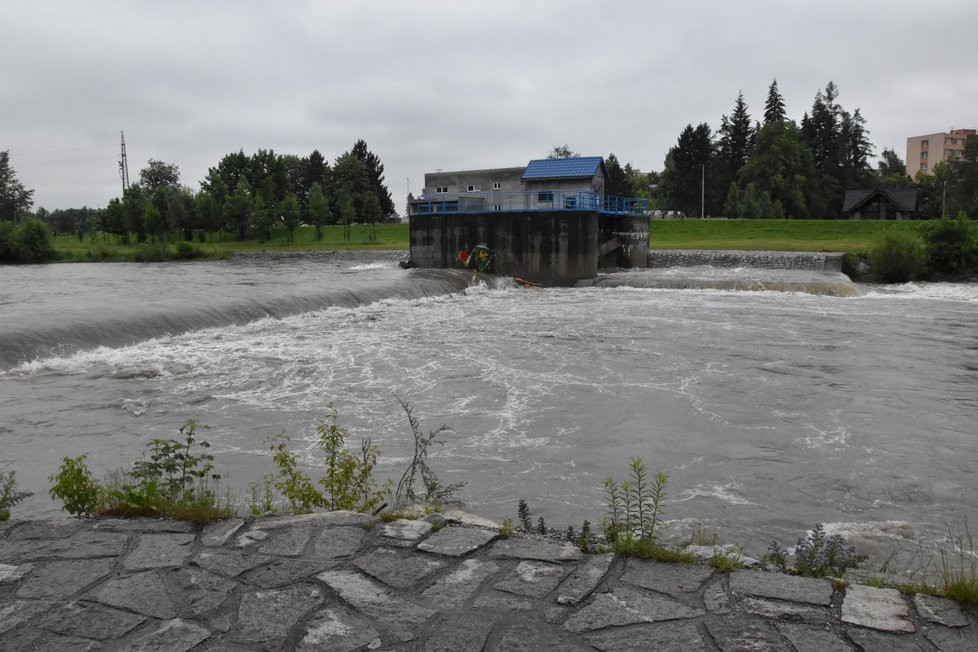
881	203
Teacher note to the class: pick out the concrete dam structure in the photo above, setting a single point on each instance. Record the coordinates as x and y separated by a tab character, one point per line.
557	247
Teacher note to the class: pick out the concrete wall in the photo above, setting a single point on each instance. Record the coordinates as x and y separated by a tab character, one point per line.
817	261
630	233
548	247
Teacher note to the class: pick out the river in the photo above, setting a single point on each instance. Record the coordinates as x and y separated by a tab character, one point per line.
770	411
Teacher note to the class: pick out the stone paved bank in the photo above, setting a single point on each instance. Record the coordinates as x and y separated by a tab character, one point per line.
341	581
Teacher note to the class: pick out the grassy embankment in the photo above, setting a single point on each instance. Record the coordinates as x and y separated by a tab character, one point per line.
107	248
754	235
845	236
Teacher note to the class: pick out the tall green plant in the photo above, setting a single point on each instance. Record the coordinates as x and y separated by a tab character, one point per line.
174	465
635	506
434	490
9	496
79	492
898	257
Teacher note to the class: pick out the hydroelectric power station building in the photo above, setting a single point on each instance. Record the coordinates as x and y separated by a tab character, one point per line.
549	222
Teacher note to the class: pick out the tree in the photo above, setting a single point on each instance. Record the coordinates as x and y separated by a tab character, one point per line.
134	206
891	165
238	208
372	214
375	175
686	166
223	179
114	219
158	175
290	214
736	139
262	219
319	212
347	213
781	165
562	151
774	106
154	223
618	184
14	198
350	180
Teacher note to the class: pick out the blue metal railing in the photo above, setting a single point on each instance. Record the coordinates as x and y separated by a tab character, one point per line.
537	200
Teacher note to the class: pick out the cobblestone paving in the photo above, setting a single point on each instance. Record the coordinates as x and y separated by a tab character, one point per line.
340	581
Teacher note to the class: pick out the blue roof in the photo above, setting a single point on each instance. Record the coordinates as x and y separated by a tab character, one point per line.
563	168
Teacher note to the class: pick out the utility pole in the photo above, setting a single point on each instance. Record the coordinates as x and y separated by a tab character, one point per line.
124	165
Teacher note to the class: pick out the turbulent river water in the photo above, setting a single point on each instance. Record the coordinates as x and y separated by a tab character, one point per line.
770	411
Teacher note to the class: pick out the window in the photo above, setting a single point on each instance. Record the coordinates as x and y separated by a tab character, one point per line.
923	143
545	196
960	141
497	185
923	166
570	202
441	190
497	207
472	188
949	153
923	155
948	141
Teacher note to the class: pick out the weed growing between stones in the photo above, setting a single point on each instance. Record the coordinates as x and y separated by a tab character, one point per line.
349	481
959	569
434	490
506	529
635	510
726	562
816	555
175	482
9	496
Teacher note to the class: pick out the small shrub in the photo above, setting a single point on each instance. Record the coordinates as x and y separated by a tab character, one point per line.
898	257
34	241
629	544
174	465
523	511
951	247
297	487
506	529
262	499
152	252
959	570
585	541
434	490
9	496
816	555
188	251
725	562
74	485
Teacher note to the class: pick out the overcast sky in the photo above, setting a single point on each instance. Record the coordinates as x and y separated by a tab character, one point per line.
449	85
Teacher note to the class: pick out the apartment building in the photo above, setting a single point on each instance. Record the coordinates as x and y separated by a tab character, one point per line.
924	152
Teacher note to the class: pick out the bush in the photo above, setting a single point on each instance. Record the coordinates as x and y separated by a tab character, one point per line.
188	251
9	496
951	246
29	242
155	252
898	258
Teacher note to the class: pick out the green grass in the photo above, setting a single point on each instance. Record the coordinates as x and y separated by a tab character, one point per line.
848	236
107	249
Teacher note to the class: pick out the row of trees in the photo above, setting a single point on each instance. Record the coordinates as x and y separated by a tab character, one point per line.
244	195
775	168
778	168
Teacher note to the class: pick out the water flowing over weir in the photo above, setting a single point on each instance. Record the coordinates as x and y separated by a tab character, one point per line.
770	410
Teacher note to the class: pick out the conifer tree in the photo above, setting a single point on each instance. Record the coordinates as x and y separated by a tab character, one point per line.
375	174
774	107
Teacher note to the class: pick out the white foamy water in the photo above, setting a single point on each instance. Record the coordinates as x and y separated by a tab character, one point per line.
770	411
